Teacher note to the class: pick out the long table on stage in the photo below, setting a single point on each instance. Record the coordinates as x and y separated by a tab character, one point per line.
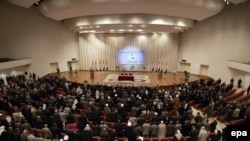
126	77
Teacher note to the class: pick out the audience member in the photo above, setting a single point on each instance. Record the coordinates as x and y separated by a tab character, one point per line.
87	134
239	83
145	129
194	134
24	135
203	134
213	125
248	89
47	134
170	129
217	134
154	130
162	130
178	135
104	131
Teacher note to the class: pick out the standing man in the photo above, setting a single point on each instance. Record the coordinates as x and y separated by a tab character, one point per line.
162	130
203	134
248	89
239	83
145	129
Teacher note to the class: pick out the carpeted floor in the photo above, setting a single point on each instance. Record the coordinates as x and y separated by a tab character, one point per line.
137	78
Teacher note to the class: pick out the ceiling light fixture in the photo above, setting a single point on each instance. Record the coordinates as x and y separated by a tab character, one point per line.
38	2
227	1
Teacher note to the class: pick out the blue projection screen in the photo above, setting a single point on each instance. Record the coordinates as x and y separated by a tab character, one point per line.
131	57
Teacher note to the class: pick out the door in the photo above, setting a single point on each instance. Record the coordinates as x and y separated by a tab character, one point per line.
184	67
53	67
204	70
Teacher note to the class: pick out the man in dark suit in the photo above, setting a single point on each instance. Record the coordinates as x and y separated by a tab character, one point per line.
119	129
239	83
213	126
87	134
131	134
194	134
248	89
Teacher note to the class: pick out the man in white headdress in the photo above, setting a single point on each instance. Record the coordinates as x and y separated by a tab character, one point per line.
2	130
203	134
162	130
178	135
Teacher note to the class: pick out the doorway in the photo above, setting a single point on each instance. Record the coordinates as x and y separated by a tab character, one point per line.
53	67
204	70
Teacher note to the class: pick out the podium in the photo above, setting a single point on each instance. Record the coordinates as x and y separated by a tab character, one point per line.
92	74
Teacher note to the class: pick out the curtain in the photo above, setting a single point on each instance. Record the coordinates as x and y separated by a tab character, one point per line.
98	51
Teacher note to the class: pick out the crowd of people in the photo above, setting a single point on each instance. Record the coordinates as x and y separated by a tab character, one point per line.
49	108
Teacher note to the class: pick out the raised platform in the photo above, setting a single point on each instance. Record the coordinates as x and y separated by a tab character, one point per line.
167	79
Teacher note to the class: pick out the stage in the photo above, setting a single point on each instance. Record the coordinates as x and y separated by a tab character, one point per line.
154	78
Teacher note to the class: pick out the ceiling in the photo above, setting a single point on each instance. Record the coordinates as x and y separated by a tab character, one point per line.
119	16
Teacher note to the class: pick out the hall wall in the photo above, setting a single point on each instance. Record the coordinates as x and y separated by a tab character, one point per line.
217	40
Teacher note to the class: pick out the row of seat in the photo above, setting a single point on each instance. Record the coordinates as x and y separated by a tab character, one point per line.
185	138
234	96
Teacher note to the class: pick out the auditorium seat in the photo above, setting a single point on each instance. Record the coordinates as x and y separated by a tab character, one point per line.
197	106
96	138
146	139
186	138
214	113
241	99
222	118
237	122
235	96
192	102
204	110
171	138
122	139
110	124
155	139
3	112
165	139
224	95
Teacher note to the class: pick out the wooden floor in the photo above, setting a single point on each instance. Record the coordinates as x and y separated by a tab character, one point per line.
167	79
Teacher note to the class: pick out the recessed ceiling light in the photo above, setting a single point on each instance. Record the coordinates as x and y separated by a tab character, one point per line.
130	30
177	27
80	27
111	30
97	26
139	30
121	30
